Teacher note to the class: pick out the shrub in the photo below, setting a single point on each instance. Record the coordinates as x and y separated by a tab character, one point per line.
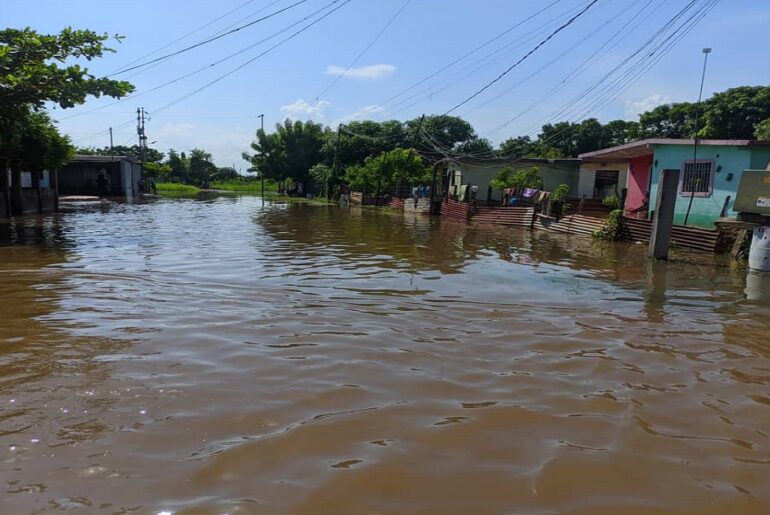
612	227
611	202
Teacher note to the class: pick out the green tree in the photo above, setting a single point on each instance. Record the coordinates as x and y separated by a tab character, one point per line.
398	167
361	139
151	155
33	70
322	176
226	173
160	171
510	177
201	170
479	147
521	146
734	113
33	143
762	130
445	134
668	121
179	164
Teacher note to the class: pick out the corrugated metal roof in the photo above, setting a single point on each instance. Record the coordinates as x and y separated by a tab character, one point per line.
102	159
644	147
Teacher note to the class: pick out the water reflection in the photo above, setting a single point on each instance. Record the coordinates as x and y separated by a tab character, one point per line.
216	355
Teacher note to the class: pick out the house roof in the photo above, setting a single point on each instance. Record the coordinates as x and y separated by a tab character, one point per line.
645	147
102	159
503	161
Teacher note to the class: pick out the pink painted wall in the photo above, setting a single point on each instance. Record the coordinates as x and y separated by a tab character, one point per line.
638	182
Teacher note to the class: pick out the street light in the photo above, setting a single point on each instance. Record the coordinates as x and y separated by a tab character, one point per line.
706	52
262	172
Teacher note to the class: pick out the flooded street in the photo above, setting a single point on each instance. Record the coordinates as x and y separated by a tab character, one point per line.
222	356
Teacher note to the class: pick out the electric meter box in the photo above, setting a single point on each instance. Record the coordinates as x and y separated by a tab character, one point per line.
753	196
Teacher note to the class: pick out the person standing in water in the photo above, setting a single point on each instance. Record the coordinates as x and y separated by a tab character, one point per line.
102	185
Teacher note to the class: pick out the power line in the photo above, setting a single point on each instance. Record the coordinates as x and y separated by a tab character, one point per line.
582	67
514	65
475	67
575	101
366	49
598	97
185	36
205	67
471	52
243	65
209	40
561	56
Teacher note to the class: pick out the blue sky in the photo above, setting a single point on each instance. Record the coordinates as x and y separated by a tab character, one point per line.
426	36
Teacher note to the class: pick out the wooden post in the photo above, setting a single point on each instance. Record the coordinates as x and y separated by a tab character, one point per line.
54	178
5	187
38	190
17	201
432	209
664	213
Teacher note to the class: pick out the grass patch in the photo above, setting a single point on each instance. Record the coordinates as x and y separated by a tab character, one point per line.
177	190
245	186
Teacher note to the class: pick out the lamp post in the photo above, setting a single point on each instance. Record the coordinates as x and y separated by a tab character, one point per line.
706	52
262	172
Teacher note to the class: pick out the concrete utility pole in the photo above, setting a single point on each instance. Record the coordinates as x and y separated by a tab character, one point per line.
706	52
142	135
660	239
262	172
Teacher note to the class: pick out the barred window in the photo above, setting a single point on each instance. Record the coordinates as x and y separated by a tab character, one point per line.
697	178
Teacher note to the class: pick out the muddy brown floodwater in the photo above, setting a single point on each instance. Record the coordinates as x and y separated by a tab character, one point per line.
218	356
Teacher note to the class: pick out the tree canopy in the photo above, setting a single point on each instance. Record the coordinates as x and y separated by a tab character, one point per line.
34	71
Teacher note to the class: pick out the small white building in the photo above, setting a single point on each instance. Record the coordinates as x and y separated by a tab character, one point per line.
80	175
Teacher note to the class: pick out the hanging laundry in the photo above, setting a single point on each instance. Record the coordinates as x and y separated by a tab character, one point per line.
530	192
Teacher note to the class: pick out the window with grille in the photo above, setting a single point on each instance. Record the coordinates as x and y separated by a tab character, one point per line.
697	178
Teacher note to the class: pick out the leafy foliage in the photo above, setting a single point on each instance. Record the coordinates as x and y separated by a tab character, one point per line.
322	175
762	130
31	75
611	202
399	166
612	227
510	177
560	192
151	155
290	151
32	142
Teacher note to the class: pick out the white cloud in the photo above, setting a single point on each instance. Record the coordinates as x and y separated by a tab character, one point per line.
634	108
374	71
302	109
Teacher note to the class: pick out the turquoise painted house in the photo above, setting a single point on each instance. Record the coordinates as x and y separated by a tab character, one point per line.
711	179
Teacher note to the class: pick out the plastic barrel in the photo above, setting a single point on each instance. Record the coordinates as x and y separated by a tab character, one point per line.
759	253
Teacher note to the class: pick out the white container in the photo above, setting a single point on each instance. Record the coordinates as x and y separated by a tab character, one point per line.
759	253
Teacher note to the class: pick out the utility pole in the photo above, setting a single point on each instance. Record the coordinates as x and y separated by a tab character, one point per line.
262	172
142	136
706	52
333	175
414	144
